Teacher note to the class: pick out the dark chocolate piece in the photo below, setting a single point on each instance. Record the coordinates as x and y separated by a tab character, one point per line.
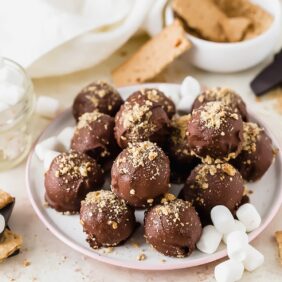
270	77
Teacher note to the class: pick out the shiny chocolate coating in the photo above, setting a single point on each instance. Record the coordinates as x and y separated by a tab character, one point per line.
222	94
140	174
215	132
156	97
141	121
257	153
173	228
94	136
212	185
70	177
107	220
99	96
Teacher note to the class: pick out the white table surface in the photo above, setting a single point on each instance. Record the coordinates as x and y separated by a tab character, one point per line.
51	260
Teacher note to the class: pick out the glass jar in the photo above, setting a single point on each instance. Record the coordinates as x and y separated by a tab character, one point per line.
15	135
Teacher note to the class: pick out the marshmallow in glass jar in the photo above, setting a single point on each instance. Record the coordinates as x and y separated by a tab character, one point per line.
17	100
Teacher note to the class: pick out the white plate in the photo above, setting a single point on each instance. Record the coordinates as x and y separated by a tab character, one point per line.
266	197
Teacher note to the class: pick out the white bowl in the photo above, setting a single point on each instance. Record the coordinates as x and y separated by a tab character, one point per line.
232	57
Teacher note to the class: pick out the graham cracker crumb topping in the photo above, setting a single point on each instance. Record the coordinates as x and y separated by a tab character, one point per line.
140	154
106	200
73	165
251	134
205	170
88	118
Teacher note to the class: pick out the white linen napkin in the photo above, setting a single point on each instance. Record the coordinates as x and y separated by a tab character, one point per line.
56	37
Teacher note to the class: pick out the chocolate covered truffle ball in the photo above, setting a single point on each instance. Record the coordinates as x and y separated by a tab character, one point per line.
140	174
156	97
215	132
226	95
142	121
99	96
257	153
107	220
181	157
173	228
70	177
94	136
210	185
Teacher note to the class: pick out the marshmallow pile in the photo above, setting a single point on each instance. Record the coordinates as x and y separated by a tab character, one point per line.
51	147
233	233
190	89
12	87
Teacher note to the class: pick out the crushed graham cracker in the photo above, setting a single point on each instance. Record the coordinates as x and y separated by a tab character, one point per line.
87	118
251	134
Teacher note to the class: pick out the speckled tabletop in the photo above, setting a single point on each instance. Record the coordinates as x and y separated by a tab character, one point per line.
51	260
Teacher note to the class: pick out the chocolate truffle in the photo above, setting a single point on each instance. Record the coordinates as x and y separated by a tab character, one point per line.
257	153
107	220
228	96
94	136
142	121
140	174
98	96
210	185
156	97
215	132
179	151
173	228
70	177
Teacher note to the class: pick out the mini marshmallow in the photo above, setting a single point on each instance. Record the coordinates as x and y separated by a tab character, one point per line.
229	271
171	92
2	223
11	94
210	240
47	107
50	144
249	216
222	219
65	137
254	259
238	226
49	157
189	91
237	242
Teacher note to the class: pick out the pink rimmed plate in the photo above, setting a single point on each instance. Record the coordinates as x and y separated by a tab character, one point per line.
267	198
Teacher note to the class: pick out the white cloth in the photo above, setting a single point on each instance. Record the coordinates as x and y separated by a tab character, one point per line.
56	37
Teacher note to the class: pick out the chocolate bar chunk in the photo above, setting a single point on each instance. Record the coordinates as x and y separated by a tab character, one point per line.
268	78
